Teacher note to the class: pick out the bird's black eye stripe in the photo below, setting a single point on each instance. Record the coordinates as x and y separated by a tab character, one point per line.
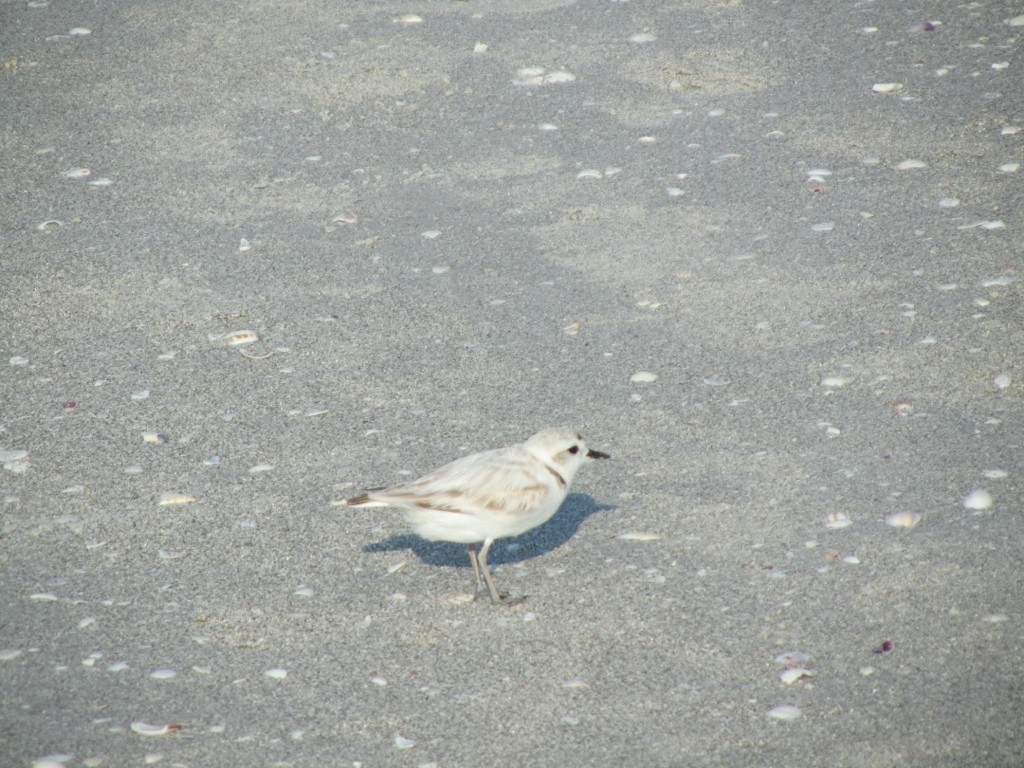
574	449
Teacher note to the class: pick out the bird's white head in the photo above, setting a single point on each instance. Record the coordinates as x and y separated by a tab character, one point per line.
562	449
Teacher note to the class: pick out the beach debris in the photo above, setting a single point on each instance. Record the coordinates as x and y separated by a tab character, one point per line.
643	377
171	498
784	712
978	499
837	520
903	519
145	729
639	536
791	675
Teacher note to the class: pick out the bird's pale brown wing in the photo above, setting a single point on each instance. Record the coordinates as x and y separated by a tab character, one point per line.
503	481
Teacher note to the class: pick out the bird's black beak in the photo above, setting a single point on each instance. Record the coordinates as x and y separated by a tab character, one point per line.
597	455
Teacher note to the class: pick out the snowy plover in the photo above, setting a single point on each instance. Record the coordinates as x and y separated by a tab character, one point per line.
489	495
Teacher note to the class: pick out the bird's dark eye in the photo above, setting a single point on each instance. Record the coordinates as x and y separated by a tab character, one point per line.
574	449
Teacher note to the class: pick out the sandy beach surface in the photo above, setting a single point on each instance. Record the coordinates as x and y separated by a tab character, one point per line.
768	255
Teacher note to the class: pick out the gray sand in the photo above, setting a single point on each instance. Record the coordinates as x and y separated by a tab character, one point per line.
800	252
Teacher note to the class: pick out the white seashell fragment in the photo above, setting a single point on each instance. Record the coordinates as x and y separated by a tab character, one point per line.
790	676
431	234
396	567
852	560
1000	65
118	666
907	165
643	377
996	618
480	48
589	173
163	674
50	225
43	596
642	37
276	674
887	87
304	591
9	654
11	456
77	173
403	743
86	622
238	338
825	226
995	474
260	468
410	18
837	520
50	762
101	182
835	381
784	712
996	224
141	395
978	499
168	499
1009	130
345	219
79	31
792	658
1002	381
949	202
145	729
1009	167
1015	21
639	536
675	191
440	269
572	329
903	519
532	76
244	245
557	78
